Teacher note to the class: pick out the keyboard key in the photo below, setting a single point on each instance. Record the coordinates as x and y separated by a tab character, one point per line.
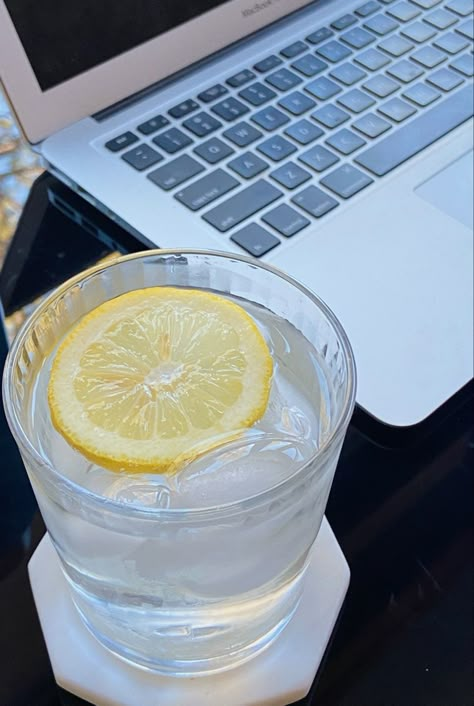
466	29
283	79
315	201
381	24
395	45
175	172
403	11
303	132
230	109
347	73
320	35
142	157
344	22
410	139
210	94
441	19
381	85
346	181
276	148
294	49
418	31
334	51
270	118
445	79
460	7
330	116
451	43
464	64
183	109
372	59
214	150
257	94
290	175
243	205
296	103
267	64
426	4
240	78
371	125
367	9
357	38
172	140
356	100
397	109
207	189
153	124
202	124
248	165
323	88
318	158
242	134
345	141
428	57
255	240
309	65
286	220
405	71
121	141
421	94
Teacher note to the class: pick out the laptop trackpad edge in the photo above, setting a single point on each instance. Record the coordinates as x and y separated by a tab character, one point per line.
455	202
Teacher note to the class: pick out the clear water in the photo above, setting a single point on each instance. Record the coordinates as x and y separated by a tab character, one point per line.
184	592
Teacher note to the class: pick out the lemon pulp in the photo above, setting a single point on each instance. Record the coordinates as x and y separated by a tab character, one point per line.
150	375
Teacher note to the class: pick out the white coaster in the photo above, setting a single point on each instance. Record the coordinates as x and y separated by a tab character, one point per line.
281	674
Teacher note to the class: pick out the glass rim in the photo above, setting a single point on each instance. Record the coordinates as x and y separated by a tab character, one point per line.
24	442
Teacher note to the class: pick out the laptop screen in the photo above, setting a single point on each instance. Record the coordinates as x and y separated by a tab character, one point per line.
63	38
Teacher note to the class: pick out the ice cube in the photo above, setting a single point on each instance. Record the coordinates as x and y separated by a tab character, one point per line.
238	469
140	490
287	413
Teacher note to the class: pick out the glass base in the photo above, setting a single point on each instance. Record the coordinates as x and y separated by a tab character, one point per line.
188	640
278	670
192	667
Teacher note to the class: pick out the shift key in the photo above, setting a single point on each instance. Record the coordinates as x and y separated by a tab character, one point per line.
207	189
242	205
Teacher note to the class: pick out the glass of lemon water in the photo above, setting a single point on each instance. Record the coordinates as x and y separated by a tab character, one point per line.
180	415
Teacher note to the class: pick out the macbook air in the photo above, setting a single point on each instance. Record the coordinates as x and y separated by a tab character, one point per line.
331	139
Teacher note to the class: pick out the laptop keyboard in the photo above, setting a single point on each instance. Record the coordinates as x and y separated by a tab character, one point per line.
341	107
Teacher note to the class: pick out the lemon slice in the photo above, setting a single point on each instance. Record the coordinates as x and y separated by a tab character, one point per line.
147	376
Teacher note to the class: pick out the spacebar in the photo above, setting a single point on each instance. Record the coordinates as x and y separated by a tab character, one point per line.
418	134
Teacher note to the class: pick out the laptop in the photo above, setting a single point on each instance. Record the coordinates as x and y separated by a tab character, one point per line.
331	139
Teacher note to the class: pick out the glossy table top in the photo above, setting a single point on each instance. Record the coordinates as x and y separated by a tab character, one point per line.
401	509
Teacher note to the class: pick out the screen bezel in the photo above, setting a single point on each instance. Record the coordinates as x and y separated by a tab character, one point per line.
41	113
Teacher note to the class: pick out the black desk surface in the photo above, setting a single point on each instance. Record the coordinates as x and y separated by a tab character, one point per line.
401	508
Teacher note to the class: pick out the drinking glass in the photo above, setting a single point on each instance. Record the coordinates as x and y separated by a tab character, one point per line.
198	571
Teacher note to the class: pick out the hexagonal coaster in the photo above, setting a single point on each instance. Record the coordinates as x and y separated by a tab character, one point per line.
281	674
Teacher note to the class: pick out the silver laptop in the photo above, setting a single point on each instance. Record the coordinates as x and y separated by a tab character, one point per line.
333	139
